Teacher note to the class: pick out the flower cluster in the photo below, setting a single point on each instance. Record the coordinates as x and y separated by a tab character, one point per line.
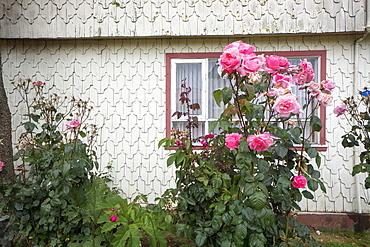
239	62
1	165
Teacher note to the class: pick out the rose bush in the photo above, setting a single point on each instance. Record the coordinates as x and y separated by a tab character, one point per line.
241	189
356	110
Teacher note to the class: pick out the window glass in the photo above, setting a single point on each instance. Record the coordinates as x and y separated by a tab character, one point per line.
203	77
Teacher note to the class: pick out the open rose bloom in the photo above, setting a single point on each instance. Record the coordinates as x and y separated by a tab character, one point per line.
232	140
260	142
299	181
73	124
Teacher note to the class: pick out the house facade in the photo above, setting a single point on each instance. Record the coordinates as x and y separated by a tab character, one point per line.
118	55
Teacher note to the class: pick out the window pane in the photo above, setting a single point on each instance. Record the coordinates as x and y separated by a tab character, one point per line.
215	82
196	132
192	73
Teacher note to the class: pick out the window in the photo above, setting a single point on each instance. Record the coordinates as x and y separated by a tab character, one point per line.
201	73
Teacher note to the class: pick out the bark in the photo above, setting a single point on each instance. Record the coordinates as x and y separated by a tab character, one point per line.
6	148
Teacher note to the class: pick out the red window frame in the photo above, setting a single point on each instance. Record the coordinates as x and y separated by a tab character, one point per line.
317	53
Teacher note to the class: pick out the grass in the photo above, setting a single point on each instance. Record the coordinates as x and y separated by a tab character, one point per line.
341	239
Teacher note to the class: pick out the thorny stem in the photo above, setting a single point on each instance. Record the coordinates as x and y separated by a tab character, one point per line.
287	224
189	122
235	90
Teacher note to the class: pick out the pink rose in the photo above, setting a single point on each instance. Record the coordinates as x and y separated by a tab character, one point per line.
299	181
260	142
232	140
314	88
230	60
307	73
287	104
242	47
325	99
251	63
204	143
37	83
282	81
113	218
340	110
180	144
209	136
1	165
327	86
274	62
73	124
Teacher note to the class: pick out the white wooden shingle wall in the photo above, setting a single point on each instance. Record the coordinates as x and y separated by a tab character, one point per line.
141	18
125	81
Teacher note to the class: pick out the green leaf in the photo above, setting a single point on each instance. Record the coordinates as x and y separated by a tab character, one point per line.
164	140
55	202
313	184
295	134
18	206
250	92
312	152
29	126
248	214
318	160
356	169
200	239
66	167
315	174
263	166
279	132
82	134
322	186
243	146
258	200
226	95
307	194
281	151
268	218
263	188
217	95
213	126
216	182
315	123
224	124
257	240
59	117
170	160
129	238
216	222
220	208
249	189
241	231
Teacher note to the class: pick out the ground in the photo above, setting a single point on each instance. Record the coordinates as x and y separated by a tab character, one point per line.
341	239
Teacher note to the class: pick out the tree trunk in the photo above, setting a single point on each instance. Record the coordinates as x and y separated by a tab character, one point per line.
6	148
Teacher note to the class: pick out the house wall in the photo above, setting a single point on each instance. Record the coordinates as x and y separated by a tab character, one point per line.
139	18
125	81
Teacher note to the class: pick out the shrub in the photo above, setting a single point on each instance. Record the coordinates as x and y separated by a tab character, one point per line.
242	187
53	198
